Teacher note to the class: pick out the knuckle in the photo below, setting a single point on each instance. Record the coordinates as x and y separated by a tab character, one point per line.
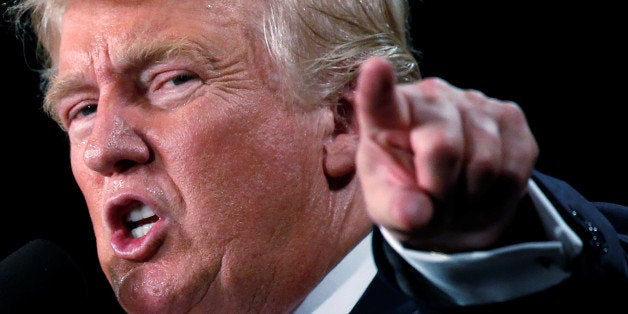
475	96
432	89
434	82
511	111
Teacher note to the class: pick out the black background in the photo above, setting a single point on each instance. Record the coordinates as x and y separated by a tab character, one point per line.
562	63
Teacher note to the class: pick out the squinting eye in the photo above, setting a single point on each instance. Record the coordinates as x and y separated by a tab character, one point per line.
182	79
169	89
87	110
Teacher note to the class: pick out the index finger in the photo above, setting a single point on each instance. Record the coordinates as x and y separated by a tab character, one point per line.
378	106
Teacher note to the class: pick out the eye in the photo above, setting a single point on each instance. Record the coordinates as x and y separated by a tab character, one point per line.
82	110
182	79
171	89
172	81
87	110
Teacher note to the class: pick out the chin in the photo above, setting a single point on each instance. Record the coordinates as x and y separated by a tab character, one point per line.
155	289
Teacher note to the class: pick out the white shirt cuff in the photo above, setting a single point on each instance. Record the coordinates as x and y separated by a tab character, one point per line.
501	274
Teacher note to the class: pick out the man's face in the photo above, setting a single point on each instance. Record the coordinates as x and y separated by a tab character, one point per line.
200	183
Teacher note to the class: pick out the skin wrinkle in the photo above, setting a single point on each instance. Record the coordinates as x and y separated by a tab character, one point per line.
225	119
268	147
95	151
137	55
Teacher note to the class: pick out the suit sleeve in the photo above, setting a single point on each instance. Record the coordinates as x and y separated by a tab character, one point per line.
603	228
599	273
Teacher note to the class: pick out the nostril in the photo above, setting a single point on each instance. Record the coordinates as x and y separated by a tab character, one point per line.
125	164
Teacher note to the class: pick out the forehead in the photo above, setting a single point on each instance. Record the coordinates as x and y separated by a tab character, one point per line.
148	14
106	24
159	8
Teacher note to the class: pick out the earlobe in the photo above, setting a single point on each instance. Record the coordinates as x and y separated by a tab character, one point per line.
340	155
341	148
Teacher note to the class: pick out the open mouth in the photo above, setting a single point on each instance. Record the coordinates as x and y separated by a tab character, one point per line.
137	230
140	221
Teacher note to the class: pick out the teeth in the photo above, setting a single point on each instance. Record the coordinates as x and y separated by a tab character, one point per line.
140	221
139	214
141	230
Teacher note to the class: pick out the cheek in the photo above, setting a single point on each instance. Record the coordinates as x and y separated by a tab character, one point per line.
254	169
84	177
88	181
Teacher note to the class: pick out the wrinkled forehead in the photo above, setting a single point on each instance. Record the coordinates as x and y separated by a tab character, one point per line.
145	14
126	20
163	5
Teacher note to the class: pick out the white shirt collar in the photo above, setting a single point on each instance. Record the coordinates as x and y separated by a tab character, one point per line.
343	286
520	273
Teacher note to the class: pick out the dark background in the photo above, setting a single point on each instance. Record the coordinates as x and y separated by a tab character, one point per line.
562	63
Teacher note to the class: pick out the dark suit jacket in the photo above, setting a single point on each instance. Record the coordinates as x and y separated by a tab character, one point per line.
599	281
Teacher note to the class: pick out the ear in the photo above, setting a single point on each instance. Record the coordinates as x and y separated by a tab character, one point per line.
341	148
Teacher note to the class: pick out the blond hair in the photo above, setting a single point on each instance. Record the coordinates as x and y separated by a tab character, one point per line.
319	45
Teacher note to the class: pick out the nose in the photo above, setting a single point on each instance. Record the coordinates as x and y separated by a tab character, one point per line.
115	143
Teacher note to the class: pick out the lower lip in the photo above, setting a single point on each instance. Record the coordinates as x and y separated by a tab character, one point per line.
138	249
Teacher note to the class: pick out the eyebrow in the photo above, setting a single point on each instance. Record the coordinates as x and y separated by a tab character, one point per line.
137	55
